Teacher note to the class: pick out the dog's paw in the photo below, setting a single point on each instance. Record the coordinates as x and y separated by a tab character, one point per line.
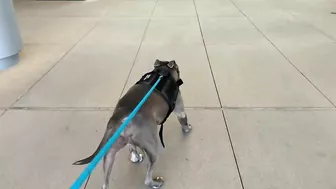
136	157
104	187
186	128
156	183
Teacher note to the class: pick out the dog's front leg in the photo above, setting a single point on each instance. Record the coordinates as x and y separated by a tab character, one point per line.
181	114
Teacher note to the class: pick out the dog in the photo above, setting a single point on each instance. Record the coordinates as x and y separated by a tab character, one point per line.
141	133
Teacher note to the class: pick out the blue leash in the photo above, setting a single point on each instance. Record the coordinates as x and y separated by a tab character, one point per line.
87	172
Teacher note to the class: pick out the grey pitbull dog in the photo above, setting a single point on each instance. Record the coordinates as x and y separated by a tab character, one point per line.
142	130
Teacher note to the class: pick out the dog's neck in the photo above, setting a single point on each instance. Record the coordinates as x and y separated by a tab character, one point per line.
167	72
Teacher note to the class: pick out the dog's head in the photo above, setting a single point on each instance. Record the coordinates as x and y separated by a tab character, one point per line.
169	66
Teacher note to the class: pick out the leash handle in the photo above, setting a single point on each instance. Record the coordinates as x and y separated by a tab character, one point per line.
88	170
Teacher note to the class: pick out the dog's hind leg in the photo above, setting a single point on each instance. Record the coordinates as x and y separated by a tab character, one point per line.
109	160
181	114
107	166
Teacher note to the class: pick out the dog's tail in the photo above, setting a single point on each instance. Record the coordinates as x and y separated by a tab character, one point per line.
87	160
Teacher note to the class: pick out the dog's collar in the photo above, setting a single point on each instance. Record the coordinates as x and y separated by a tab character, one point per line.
166	73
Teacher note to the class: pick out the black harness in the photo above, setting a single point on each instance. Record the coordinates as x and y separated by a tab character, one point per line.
168	88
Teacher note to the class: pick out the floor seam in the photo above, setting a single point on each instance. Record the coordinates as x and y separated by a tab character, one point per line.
51	68
137	54
89	177
313	26
4	111
297	69
219	100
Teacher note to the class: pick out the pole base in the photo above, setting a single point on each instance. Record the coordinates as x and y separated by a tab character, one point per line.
9	61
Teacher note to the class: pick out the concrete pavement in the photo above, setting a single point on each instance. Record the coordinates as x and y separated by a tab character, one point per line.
259	87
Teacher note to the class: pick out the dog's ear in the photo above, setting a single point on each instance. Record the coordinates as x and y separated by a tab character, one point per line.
171	64
157	63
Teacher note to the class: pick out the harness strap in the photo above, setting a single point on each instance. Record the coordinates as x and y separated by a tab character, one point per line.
161	135
168	89
171	109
